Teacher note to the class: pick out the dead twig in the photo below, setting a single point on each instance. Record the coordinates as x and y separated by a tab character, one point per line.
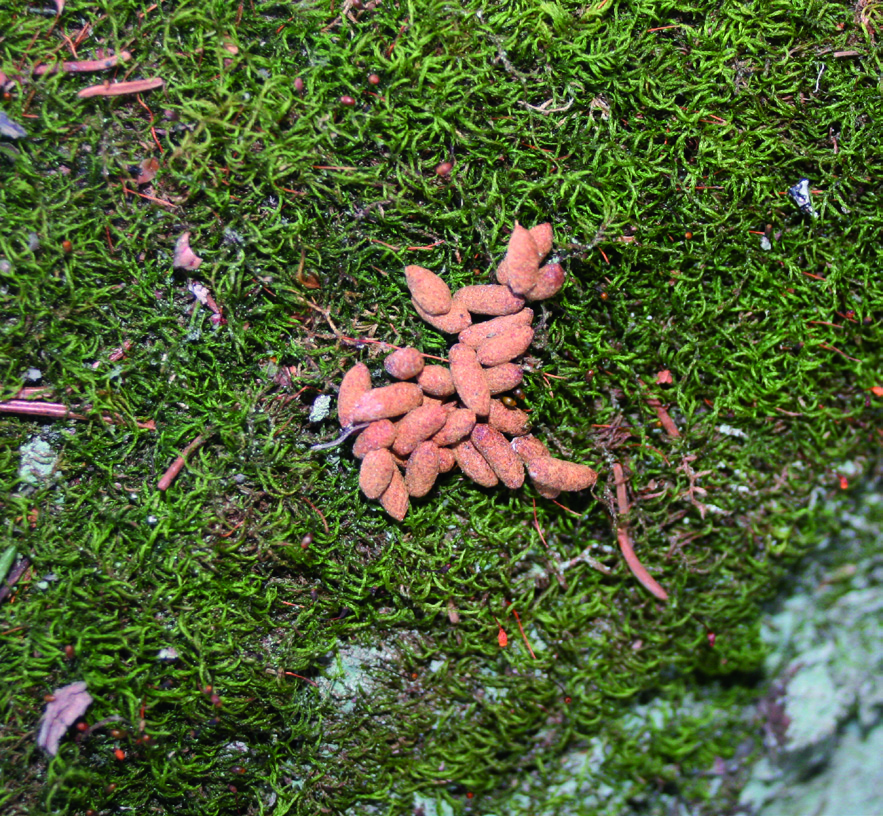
667	422
175	468
625	544
523	636
82	66
56	410
121	88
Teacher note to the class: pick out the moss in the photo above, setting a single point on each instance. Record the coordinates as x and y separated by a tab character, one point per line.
659	139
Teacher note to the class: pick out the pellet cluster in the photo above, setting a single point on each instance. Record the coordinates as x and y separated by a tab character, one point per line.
436	417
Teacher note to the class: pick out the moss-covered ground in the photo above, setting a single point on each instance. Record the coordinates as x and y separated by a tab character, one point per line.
660	138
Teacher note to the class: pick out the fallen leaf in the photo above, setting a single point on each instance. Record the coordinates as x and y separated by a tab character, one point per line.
877	390
59	5
664	378
120	88
69	705
184	257
149	168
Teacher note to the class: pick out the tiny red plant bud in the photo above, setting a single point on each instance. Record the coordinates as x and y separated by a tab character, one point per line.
374	79
120	754
67	246
348	101
69	652
299	85
444	169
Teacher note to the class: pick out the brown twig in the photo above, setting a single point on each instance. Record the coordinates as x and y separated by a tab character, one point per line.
667	422
523	636
318	513
536	523
82	66
56	410
121	88
37	408
175	468
625	544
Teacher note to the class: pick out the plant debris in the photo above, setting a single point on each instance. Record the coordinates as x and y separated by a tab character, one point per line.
68	704
449	417
121	88
82	66
186	258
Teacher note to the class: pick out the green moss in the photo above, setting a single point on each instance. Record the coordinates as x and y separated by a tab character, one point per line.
626	139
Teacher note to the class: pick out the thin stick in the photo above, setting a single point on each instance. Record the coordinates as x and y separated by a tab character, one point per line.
536	524
301	677
56	410
121	88
625	544
37	408
83	66
175	468
318	513
638	570
667	422
523	636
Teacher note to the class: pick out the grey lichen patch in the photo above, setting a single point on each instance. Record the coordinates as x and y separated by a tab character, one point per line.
320	408
356	669
38	463
826	651
848	784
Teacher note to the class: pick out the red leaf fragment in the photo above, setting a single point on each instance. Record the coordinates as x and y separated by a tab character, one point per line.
69	705
664	378
149	168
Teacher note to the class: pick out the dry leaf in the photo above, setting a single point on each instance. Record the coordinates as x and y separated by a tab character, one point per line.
59	5
184	257
877	391
664	378
149	168
69	705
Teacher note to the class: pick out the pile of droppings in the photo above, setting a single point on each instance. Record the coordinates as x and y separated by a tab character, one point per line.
440	417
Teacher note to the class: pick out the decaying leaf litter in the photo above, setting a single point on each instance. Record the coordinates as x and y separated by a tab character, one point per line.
601	300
